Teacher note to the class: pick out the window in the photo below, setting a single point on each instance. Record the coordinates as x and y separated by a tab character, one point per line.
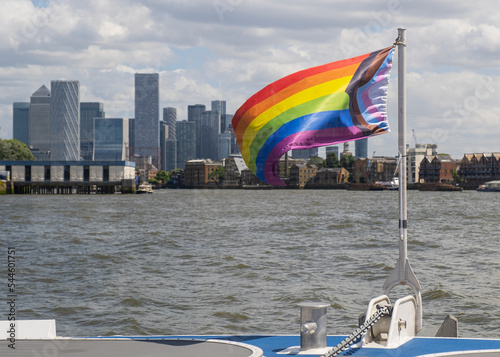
46	173
27	173
86	173
67	173
105	173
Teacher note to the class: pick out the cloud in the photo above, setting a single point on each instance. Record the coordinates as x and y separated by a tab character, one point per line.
229	49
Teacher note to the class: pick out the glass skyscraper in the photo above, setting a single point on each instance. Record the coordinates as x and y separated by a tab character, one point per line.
65	120
361	147
170	118
40	123
111	139
21	119
147	116
186	142
194	115
210	129
88	111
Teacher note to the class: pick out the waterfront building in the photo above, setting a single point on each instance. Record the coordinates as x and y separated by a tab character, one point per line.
414	158
170	119
40	123
194	115
300	174
375	169
437	169
111	139
328	177
88	112
65	120
147	120
361	148
186	142
478	168
210	128
197	172
51	177
233	167
21	120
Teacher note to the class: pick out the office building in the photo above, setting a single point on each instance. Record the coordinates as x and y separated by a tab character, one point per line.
111	139
194	115
147	120
186	142
305	153
21	120
88	112
170	154
170	118
40	123
210	129
224	145
220	105
65	120
361	148
164	131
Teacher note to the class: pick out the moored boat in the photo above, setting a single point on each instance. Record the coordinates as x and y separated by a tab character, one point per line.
144	188
491	186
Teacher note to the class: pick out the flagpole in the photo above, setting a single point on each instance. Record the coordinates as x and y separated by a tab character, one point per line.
403	273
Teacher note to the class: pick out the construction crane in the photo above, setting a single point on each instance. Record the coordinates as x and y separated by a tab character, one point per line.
414	137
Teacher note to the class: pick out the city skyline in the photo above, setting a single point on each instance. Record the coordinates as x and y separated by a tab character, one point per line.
231	49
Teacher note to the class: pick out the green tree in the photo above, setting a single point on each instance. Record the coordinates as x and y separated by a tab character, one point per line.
14	150
163	177
347	162
332	161
317	161
217	175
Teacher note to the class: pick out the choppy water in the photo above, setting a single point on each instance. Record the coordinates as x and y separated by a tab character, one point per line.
238	262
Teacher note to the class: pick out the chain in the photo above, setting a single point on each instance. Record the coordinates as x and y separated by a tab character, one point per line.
344	345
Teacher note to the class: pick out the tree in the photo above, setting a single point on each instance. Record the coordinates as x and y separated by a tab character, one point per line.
14	150
317	161
163	176
332	161
347	162
217	175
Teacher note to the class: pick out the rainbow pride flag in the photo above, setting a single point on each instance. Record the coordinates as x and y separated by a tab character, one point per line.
325	105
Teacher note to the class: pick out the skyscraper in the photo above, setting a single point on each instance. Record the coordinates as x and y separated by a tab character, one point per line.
186	142
40	123
361	148
21	120
89	111
111	139
224	145
170	154
170	118
65	120
220	105
210	129
147	116
194	115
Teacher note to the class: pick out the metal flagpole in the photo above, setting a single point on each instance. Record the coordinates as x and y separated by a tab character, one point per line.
402	273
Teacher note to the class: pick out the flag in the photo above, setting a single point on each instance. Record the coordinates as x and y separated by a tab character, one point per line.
324	105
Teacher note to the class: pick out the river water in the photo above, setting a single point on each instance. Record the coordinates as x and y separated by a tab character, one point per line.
239	262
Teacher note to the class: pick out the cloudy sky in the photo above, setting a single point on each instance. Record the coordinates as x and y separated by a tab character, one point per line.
229	49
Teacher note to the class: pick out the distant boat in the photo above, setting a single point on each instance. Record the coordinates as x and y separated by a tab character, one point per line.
438	187
144	188
490	186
